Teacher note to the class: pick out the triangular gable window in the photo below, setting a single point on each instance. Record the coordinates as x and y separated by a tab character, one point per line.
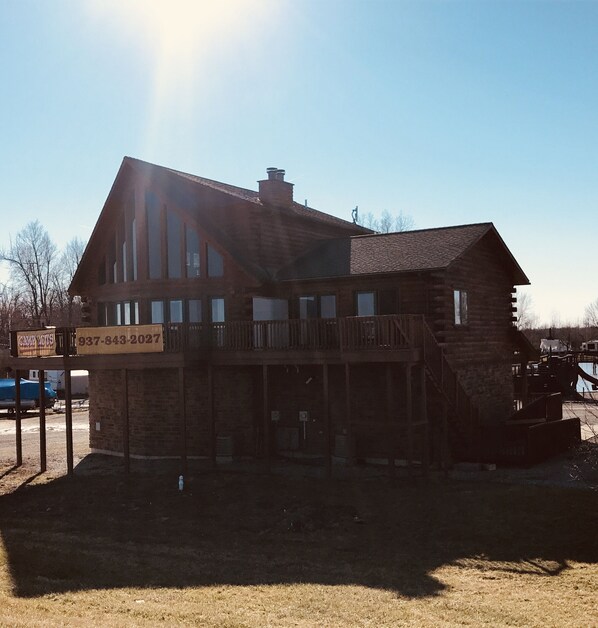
215	263
170	247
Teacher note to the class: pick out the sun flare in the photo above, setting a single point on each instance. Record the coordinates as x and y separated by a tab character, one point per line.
177	31
182	26
184	44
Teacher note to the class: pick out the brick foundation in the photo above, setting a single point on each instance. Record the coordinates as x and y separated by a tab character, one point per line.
378	410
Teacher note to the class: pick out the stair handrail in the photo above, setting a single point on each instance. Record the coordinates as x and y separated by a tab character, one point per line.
442	373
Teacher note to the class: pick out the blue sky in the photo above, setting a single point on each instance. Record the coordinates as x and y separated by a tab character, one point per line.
451	112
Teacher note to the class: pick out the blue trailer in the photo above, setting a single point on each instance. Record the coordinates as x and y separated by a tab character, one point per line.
29	395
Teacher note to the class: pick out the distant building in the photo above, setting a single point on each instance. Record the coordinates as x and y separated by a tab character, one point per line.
590	345
551	345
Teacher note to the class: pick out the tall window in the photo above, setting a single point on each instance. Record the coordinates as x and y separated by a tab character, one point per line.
102	314
460	300
102	272
328	306
154	236
217	307
130	242
312	306
124	258
191	253
194	310
157	311
308	307
112	260
215	263
173	230
134	247
266	309
175	312
218	316
118	313
127	313
366	304
120	261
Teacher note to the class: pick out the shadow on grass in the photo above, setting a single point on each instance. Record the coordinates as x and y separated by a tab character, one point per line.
8	471
101	529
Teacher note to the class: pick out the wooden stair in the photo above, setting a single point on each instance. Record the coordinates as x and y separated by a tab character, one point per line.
462	414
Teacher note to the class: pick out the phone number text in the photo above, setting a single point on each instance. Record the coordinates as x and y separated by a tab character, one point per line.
122	339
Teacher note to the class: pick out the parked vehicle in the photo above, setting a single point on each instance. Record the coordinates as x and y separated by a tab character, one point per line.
79	382
29	395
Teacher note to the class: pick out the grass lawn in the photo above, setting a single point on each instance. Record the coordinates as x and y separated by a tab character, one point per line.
266	550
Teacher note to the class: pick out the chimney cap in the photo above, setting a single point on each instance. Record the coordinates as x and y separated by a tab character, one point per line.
271	172
280	174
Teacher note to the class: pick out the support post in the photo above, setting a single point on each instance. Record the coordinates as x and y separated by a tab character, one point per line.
423	417
42	423
183	420
18	426
211	416
444	445
392	448
266	416
125	419
409	412
327	419
68	415
348	426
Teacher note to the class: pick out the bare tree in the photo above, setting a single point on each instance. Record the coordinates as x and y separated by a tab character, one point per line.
11	313
69	261
32	259
387	222
591	315
526	318
368	220
403	222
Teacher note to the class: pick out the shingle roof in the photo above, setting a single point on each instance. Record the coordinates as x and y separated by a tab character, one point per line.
242	193
231	215
408	251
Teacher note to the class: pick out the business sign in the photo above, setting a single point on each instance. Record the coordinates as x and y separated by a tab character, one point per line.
39	343
121	339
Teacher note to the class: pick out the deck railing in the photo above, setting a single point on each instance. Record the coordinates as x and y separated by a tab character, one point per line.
317	334
350	334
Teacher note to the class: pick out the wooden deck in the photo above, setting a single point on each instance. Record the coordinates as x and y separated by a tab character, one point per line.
325	342
339	340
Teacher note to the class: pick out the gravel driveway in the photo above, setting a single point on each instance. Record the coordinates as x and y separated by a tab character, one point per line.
55	445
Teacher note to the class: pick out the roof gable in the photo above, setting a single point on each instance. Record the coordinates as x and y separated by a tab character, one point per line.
231	215
243	194
407	251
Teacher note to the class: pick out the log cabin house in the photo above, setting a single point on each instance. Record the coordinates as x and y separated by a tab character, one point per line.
284	331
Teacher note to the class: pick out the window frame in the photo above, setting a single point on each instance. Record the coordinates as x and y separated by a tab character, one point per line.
316	306
211	300
460	308
374	302
214	262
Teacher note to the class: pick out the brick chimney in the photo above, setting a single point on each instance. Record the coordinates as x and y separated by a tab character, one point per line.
275	190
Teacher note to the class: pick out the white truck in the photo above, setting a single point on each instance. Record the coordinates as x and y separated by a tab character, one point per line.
79	382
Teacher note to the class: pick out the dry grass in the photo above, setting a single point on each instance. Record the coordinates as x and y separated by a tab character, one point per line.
260	550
